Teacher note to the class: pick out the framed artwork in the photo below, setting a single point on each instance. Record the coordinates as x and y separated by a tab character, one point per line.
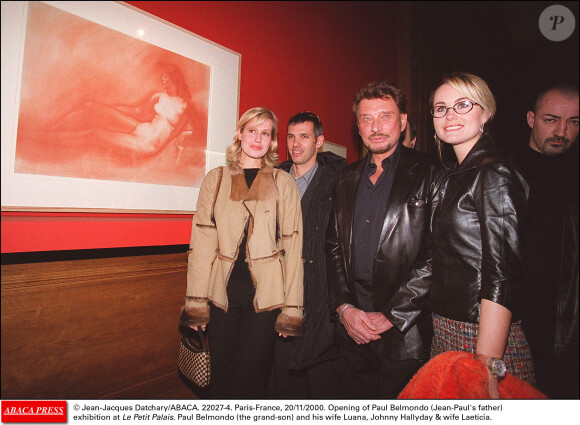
108	108
334	148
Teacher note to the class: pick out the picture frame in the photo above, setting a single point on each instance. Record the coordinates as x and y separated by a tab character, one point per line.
46	192
334	148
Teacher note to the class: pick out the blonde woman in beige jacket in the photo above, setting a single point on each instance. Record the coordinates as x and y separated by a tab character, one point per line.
245	273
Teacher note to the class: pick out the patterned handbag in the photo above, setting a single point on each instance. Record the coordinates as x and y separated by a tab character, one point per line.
194	359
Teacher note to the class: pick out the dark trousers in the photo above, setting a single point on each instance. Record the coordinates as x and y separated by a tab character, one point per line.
365	375
321	381
241	345
556	379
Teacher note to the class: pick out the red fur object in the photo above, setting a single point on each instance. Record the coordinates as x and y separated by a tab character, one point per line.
457	375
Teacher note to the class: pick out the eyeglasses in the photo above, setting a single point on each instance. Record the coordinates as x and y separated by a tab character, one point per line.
462	107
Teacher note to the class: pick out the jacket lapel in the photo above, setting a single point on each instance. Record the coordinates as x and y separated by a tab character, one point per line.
306	202
402	184
263	188
349	189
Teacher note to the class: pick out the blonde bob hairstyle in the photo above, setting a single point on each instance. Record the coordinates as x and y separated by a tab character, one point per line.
234	151
472	87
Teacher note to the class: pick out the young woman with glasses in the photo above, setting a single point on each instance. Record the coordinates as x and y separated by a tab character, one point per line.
476	228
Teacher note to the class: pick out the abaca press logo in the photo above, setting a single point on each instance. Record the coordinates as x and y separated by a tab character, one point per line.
14	411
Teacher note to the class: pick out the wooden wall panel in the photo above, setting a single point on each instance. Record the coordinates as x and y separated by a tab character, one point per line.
93	329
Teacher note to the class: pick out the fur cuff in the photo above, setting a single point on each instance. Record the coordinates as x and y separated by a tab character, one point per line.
289	324
194	316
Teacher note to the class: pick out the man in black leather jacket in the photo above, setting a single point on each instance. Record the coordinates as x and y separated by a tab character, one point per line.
549	162
307	367
378	223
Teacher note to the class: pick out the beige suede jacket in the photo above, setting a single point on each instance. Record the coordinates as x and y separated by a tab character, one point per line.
271	209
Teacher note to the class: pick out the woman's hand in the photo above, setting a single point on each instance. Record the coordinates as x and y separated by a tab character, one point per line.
494	327
492	385
195	327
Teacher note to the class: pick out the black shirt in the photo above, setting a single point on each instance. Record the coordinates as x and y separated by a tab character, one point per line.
241	270
553	184
369	214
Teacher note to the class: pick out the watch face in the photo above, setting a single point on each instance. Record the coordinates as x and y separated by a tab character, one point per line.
498	368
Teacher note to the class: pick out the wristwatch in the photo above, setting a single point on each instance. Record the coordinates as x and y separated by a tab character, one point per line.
496	366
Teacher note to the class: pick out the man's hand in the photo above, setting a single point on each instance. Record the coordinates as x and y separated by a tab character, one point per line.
381	323
359	326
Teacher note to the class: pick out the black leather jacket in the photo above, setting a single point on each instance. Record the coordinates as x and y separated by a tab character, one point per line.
316	345
476	230
405	225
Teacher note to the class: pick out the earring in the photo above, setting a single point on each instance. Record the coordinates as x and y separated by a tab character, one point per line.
439	146
481	129
438	143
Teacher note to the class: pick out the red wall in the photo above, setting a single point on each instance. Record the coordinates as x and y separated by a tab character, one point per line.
295	56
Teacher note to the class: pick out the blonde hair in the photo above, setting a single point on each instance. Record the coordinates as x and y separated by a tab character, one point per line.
234	151
474	88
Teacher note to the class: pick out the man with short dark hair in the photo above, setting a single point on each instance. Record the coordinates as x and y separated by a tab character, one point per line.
379	220
307	367
549	162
